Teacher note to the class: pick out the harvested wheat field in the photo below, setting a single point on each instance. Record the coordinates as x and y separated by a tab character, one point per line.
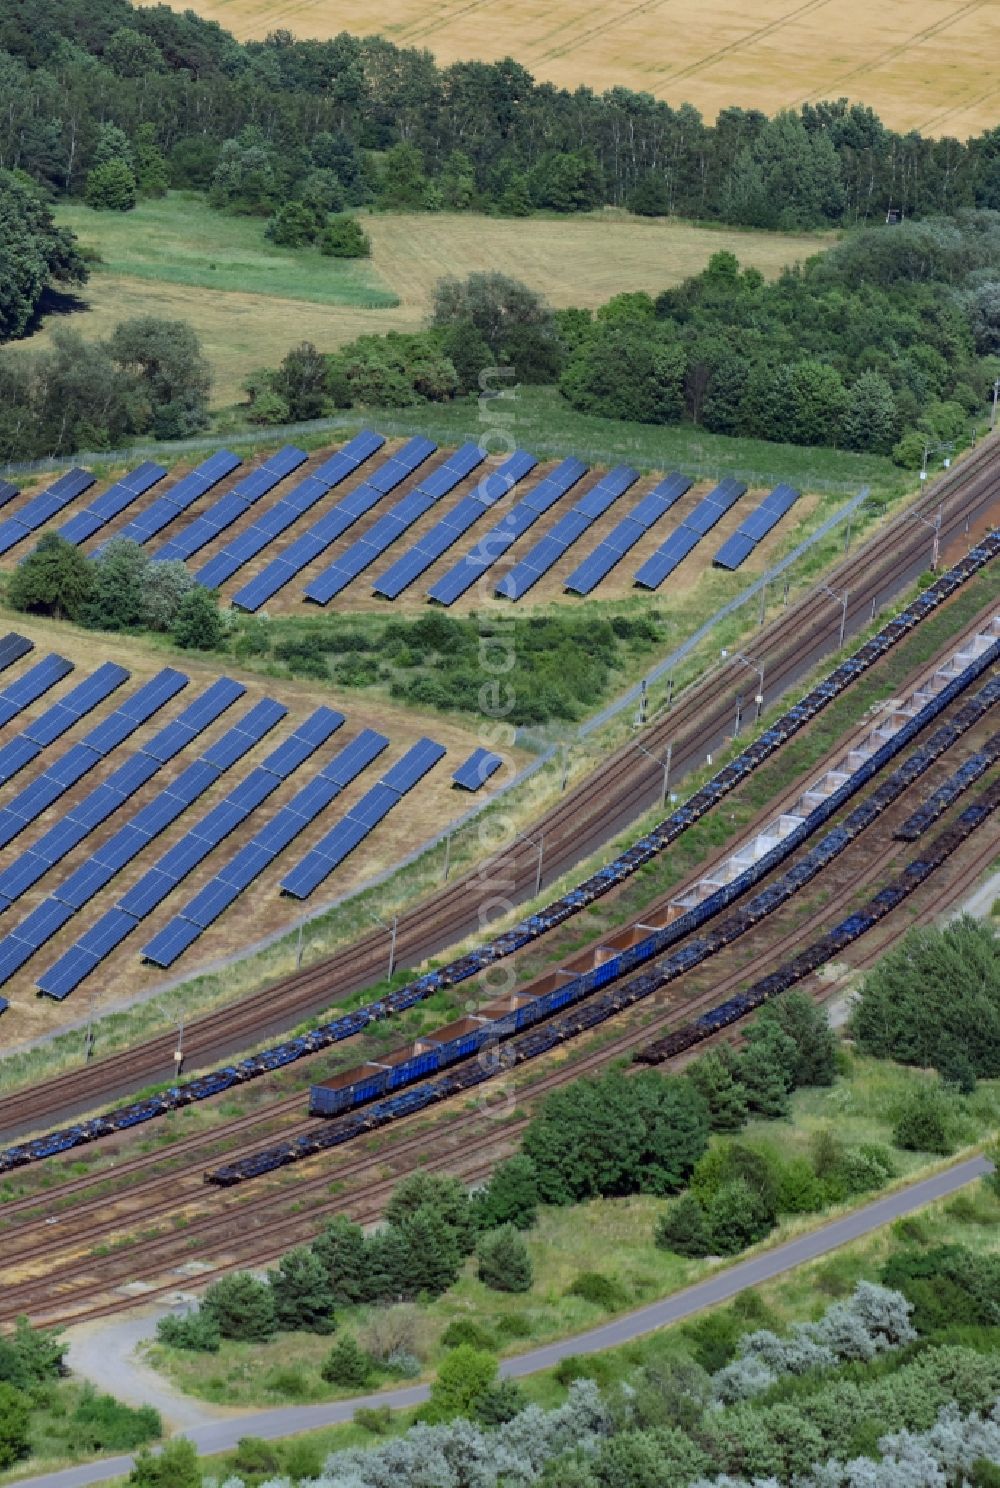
932	65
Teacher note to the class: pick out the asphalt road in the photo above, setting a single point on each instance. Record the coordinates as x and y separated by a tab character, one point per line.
222	1435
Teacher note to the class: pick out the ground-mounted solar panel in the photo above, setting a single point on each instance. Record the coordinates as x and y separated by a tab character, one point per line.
454	524
32	685
184	493
624	536
221	566
713	507
43	507
317	538
587	507
737	548
414	765
233	505
12	648
111	503
389	527
473	773
8	491
667	557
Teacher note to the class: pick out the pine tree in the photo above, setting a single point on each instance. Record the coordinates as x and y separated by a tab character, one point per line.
808	1026
303	1297
242	1306
346	1364
504	1262
683	1228
511	1196
430	1257
714	1077
341	1248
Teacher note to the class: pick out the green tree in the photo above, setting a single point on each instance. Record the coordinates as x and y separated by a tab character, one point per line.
15	1419
55	579
441	1195
767	1068
151	170
303	1297
871	421
463	1378
458	182
166	358
347	1364
341	1249
344	237
738	1216
651	197
494	303
242	1307
198	626
627	371
714	1077
119	576
112	187
468	353
293	225
174	1466
683	1228
511	1196
504	1262
925	1122
246	176
403	182
301	382
35	254
799	1018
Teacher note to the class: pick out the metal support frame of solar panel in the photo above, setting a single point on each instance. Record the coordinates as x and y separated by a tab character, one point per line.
230	507
362	818
387	528
473	773
279	517
110	503
32	685
630	530
133	838
737	548
513	525
549	549
54	722
12	647
81	758
43	507
317	538
108	797
189	489
710	510
260	852
453	525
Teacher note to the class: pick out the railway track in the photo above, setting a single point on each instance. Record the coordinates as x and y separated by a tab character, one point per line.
585	818
268	1227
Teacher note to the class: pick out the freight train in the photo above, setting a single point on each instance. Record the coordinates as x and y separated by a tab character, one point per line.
966	775
541	1040
533	926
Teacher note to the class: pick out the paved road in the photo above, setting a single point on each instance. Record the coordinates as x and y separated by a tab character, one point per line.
220	1436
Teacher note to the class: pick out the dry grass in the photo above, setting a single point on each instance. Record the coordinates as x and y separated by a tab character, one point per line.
922	64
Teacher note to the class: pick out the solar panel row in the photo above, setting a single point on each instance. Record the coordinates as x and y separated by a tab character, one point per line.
260	852
99	512
53	723
473	773
43	507
394	523
166	508
624	536
130	840
454	524
12	648
81	758
549	549
736	549
29	687
363	817
514	524
271	523
229	508
105	799
710	510
8	491
316	539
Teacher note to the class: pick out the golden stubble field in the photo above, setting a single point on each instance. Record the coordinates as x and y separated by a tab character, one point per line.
932	65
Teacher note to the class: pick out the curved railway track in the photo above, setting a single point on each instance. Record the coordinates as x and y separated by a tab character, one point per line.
586	817
82	1286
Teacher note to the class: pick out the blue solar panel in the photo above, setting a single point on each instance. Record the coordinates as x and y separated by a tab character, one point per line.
734	551
43	507
280	571
374	805
355	757
110	503
171	942
225	511
713	507
473	773
184	493
451	526
12	648
320	863
414	765
431	489
8	491
32	685
262	717
667	557
549	549
755	526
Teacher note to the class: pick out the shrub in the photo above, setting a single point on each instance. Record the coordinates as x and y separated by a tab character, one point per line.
925	1122
101	1424
345	238
197	1331
55	579
602	1291
500	1402
174	1466
464	1330
15	1438
463	1378
738	1216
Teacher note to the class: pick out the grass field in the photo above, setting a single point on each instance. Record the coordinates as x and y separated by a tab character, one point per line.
250	301
921	64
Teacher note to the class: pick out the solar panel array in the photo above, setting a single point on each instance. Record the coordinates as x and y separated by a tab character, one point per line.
81	758
454	524
624	536
134	837
316	539
54	722
43	507
104	508
185	855
736	549
271	523
12	648
363	817
32	685
166	508
105	799
8	491
549	549
710	510
514	524
260	852
383	532
473	773
229	508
